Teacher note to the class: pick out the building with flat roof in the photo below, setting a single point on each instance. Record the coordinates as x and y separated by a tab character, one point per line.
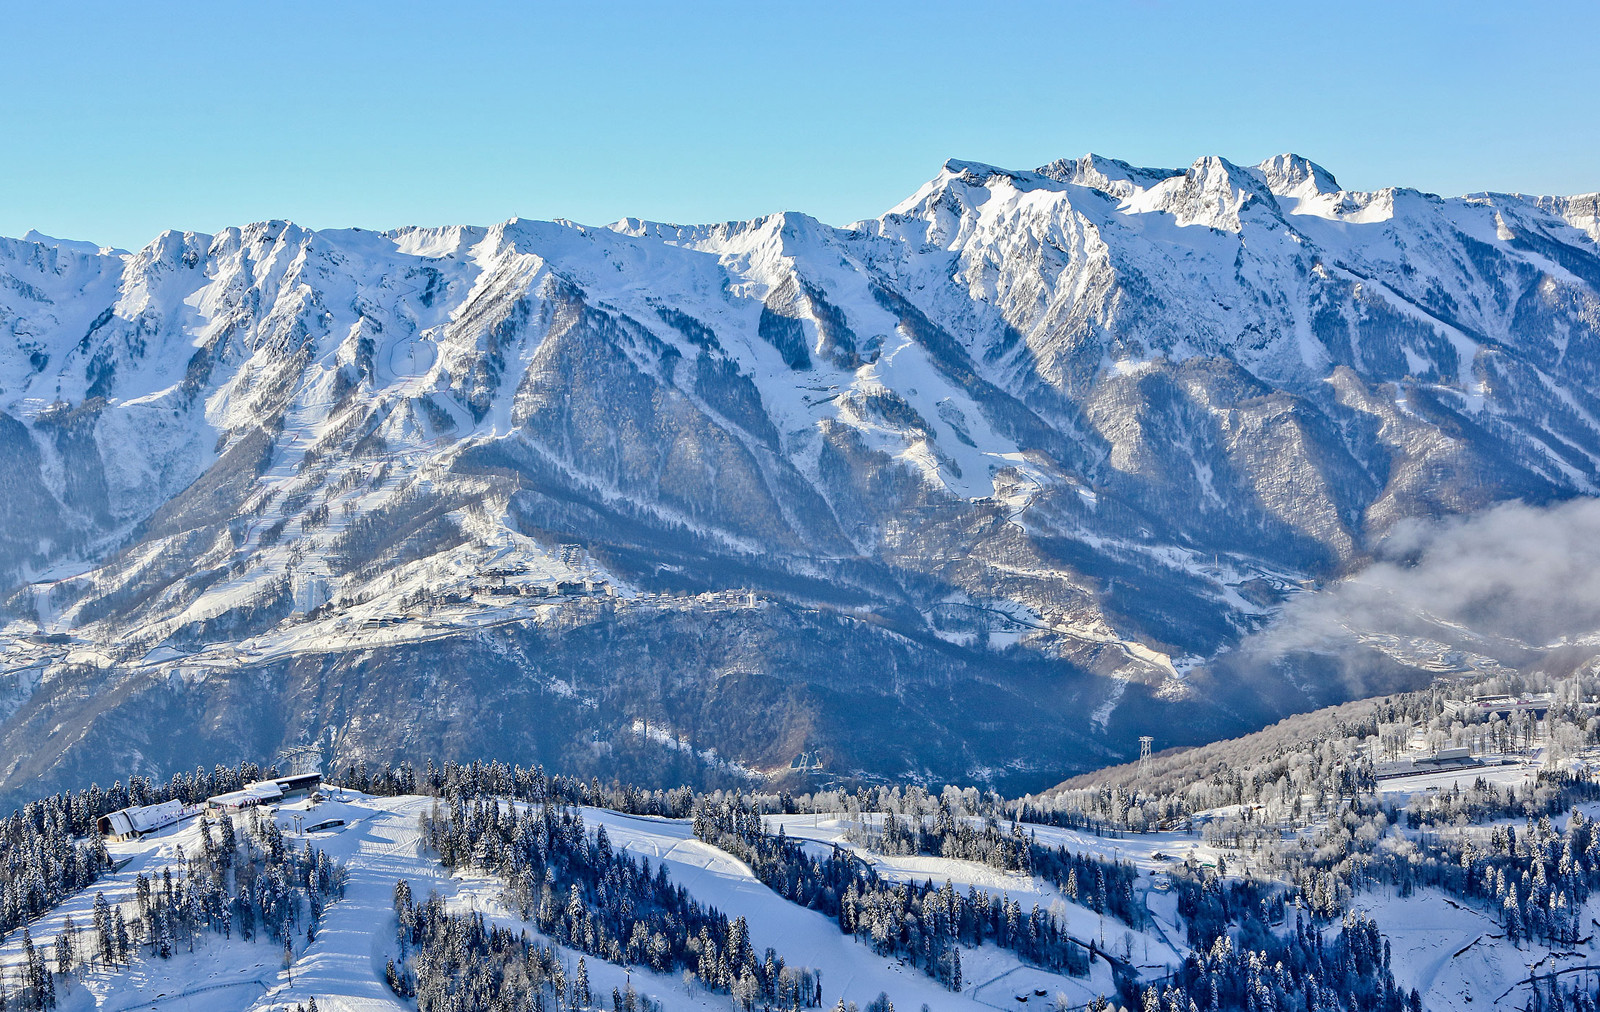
266	792
1489	707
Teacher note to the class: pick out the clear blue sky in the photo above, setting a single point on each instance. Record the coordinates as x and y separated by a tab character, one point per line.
120	120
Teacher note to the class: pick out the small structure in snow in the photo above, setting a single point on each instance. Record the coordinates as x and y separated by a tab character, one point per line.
806	761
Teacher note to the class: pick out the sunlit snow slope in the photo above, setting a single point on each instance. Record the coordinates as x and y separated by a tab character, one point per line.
969	491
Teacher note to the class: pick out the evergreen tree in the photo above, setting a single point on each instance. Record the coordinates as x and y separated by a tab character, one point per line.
63	951
119	933
105	941
580	986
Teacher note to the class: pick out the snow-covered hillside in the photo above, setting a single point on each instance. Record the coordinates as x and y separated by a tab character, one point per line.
380	843
1032	442
1456	956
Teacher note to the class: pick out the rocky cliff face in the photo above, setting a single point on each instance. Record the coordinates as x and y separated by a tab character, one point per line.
969	491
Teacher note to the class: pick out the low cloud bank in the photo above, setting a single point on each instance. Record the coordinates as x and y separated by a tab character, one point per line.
1510	578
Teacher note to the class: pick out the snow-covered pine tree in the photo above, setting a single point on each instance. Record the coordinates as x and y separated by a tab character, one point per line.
580	981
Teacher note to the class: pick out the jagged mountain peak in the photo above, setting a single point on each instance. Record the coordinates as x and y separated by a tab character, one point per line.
172	247
1212	191
955	183
1292	175
1109	175
1090	418
980	173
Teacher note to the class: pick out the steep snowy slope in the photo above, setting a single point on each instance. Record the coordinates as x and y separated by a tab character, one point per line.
1031	443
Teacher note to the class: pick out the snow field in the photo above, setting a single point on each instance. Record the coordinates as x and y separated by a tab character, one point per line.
381	843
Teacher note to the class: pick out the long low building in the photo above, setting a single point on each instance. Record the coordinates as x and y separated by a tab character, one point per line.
299	785
1489	707
141	820
262	793
266	792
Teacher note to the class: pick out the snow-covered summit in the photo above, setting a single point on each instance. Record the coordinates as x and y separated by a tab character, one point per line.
33	235
1291	175
949	424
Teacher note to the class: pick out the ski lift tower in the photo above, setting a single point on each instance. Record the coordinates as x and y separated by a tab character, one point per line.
1144	755
302	759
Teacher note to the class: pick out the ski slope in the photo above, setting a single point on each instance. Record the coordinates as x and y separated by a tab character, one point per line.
1454	954
381	842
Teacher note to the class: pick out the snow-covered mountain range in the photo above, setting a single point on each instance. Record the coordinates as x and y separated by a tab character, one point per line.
971	490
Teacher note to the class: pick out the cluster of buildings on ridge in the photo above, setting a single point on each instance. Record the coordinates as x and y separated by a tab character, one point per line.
142	819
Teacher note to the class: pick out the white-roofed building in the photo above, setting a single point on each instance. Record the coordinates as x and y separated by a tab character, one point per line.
140	820
263	792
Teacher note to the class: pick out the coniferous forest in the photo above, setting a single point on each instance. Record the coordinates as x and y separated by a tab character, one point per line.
250	883
1297	816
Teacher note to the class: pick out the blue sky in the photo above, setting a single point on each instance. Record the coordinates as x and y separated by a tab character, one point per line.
120	120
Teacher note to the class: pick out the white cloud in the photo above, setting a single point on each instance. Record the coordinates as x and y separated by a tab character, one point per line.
1514	576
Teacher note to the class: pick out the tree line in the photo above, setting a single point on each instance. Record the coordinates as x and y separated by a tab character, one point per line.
925	924
251	883
584	894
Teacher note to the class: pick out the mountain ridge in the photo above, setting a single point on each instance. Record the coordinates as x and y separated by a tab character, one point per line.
1018	428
